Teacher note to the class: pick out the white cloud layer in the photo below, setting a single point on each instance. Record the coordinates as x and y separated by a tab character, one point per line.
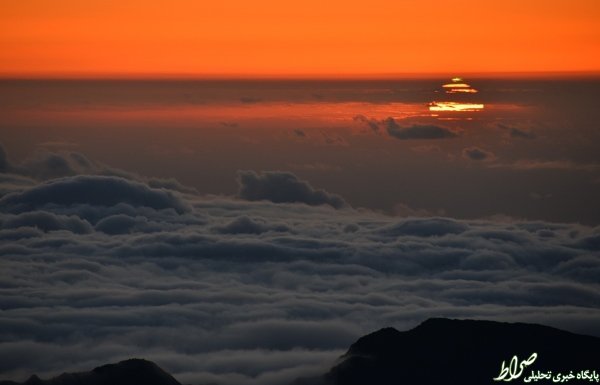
98	268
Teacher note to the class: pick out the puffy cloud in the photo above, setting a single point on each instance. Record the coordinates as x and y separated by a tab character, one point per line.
405	132
96	269
46	221
49	165
282	187
416	131
92	190
477	154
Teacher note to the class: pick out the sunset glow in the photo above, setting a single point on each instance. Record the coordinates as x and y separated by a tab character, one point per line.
309	38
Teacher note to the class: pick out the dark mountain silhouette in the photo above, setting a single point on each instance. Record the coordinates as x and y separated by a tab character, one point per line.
129	372
444	351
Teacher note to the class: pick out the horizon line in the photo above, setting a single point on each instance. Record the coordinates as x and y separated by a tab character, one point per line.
294	76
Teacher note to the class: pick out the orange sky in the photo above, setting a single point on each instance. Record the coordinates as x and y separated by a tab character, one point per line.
290	37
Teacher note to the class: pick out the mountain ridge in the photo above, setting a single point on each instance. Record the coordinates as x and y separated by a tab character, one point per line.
437	351
451	351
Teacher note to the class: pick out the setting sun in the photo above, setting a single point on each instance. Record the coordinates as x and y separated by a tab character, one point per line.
458	87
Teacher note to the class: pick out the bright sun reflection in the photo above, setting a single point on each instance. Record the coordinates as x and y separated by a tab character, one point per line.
455	106
458	86
462	90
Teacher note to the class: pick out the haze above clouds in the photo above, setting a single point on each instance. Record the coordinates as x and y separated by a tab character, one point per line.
530	154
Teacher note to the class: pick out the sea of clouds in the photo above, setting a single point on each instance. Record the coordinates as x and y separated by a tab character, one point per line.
99	265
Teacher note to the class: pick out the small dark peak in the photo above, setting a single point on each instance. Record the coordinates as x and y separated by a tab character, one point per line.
132	364
436	322
130	371
33	380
